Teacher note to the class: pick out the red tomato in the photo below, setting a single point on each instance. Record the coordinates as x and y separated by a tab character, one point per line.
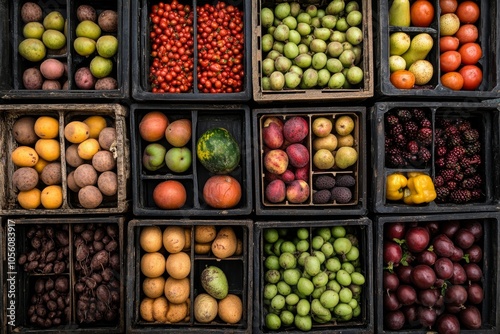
421	13
471	53
473	76
448	43
468	12
452	80
449	61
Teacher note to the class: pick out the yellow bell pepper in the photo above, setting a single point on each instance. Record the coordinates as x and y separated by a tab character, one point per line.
395	185
420	190
413	174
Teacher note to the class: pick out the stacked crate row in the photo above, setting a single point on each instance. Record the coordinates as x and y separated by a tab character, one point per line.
314	188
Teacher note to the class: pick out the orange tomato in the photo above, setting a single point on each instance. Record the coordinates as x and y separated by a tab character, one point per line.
471	53
449	61
467	33
448	6
403	79
452	80
448	43
472	75
421	13
468	12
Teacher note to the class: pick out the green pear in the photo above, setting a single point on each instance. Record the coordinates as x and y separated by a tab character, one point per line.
399	43
346	156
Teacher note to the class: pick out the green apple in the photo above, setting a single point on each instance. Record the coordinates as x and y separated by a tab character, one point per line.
178	159
153	157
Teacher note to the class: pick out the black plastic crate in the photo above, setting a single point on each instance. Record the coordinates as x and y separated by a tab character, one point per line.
362	91
24	280
483	117
362	229
115	116
142	89
356	206
488	63
11	72
234	118
238	270
489	266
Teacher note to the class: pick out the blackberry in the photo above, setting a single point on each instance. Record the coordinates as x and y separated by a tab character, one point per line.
412	147
396	129
418	113
425	136
447	174
442	194
451	130
460	196
411	158
478	179
451	161
469	171
459	176
391	119
411	129
400	141
441	151
473	148
470	135
440	142
452	185
458	151
388	142
404	114
454	140
438	181
424	154
396	160
393	151
439	133
444	122
476	194
468	183
440	162
464	125
425	123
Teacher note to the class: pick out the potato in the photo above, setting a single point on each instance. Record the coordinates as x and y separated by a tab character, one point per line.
103	161
107	138
71	182
178	265
85	175
65	85
84	78
204	233
52	174
52	69
72	157
90	197
177	312
31	12
86	12
187	236
146	309
108	21
205	308
25	178
153	264
151	238
202	248
23	130
51	85
106	83
153	287
174	239
32	78
160	309
177	290
225	243
230	309
107	183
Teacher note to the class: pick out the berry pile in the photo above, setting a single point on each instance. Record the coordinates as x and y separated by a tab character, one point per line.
458	161
408	138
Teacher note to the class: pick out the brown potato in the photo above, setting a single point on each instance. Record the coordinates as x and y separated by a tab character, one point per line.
107	183
84	78
146	309
202	248
103	161
225	243
106	83
72	157
25	178
32	78
71	182
90	197
31	12
85	175
23	130
51	85
86	12
107	138
51	174
108	20
204	233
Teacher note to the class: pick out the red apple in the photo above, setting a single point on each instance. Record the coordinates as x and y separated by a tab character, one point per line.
273	119
302	173
288	176
272	136
298	155
275	191
276	161
297	191
295	129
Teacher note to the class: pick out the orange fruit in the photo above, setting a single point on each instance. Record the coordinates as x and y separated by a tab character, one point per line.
448	43
452	80
448	6
403	79
421	13
471	53
95	124
449	61
473	76
52	197
467	33
468	12
48	149
29	199
46	127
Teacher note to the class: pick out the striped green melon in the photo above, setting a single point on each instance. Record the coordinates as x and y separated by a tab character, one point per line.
218	151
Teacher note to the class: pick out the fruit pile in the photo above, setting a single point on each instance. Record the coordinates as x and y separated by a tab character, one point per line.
433	275
167	300
458	178
311	47
459	46
311	276
408	138
338	188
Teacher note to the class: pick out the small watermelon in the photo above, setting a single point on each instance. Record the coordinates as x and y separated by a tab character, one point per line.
218	151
